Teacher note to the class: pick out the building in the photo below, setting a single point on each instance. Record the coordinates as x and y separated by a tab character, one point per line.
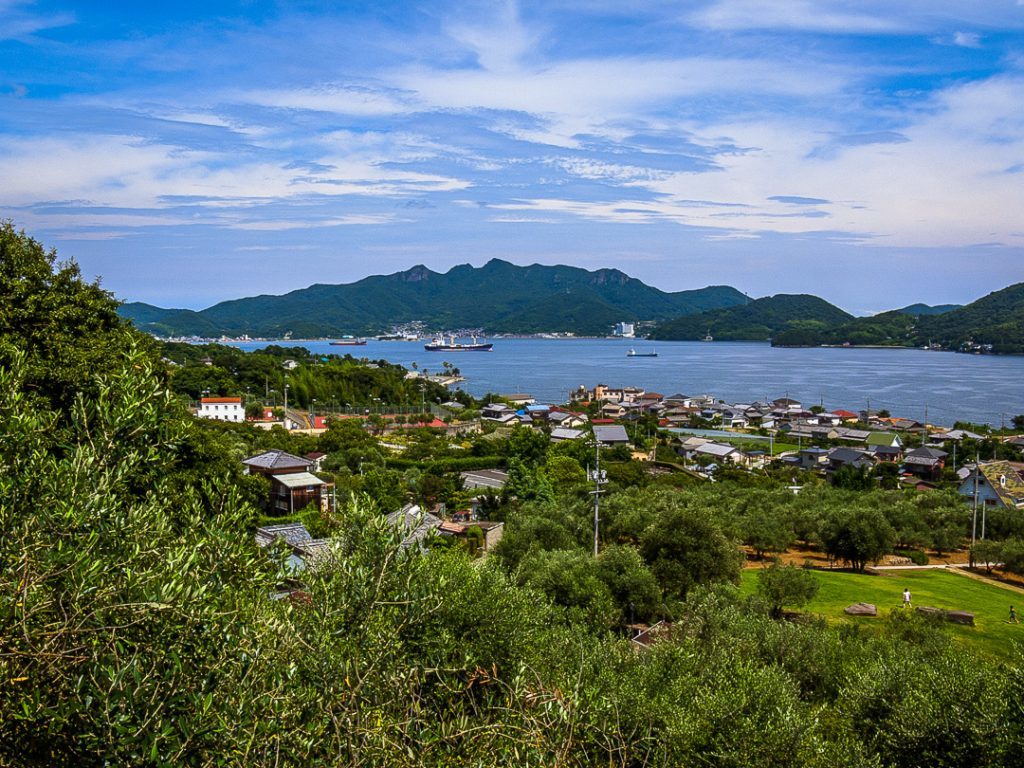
222	409
611	435
625	330
293	487
997	484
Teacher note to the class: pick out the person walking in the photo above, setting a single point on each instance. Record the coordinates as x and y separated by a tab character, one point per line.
1013	617
906	598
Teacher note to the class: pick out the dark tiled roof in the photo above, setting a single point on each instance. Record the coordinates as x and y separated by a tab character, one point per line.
276	459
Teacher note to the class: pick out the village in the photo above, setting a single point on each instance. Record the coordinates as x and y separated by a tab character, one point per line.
692	438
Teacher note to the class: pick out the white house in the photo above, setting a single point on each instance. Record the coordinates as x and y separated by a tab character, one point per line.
221	409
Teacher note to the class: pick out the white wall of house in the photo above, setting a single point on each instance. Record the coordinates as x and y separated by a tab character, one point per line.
216	408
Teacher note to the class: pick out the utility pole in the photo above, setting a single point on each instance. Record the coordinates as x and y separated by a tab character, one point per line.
600	478
974	524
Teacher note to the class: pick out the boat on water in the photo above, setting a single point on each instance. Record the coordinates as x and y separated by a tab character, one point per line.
440	345
709	337
634	353
349	341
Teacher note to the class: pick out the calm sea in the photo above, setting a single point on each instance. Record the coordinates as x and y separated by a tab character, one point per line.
908	382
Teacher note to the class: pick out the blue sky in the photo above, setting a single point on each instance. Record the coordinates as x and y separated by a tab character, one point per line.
871	153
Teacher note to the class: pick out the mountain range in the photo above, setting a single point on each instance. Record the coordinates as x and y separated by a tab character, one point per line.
993	323
500	297
497	297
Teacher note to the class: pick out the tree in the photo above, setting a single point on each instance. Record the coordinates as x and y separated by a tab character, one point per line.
1013	555
564	472
766	529
986	552
786	585
630	582
569	578
1018	421
684	548
857	536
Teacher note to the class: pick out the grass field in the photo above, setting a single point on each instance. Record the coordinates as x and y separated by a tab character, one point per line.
989	603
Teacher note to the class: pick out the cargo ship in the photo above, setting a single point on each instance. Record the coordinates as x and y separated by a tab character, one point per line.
440	345
349	341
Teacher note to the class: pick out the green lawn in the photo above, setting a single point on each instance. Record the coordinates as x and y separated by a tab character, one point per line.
989	603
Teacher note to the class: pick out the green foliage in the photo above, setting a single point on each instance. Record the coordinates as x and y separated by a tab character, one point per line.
630	582
569	578
757	320
519	300
786	585
1013	555
987	553
684	549
857	536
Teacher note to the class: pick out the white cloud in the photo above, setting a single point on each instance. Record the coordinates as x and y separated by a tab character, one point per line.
967	39
789	14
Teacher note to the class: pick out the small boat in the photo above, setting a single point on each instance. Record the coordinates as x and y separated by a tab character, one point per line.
634	353
440	345
349	341
709	337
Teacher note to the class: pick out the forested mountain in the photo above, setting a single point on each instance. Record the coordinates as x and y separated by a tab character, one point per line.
996	320
499	297
757	321
926	309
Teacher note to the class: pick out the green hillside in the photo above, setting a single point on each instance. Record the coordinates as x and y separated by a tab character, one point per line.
926	309
499	297
167	322
995	321
757	321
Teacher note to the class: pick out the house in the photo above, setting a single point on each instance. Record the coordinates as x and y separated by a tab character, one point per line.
221	409
414	525
813	458
519	398
562	418
294	492
611	435
292	486
558	434
613	410
493	479
885	453
786	403
955	435
305	551
884	440
317	459
720	452
276	462
845	416
996	484
844	457
853	435
497	412
925	462
492	531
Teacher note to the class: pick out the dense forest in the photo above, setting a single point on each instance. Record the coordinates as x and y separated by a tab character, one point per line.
758	320
138	625
498	297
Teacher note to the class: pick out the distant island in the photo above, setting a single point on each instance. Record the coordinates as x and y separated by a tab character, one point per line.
992	324
501	297
498	297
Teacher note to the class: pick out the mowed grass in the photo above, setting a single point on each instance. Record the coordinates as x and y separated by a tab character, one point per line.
990	603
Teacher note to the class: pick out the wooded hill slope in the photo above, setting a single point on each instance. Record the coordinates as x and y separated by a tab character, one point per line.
498	297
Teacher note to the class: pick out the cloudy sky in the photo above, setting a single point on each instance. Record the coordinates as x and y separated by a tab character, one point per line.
871	152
